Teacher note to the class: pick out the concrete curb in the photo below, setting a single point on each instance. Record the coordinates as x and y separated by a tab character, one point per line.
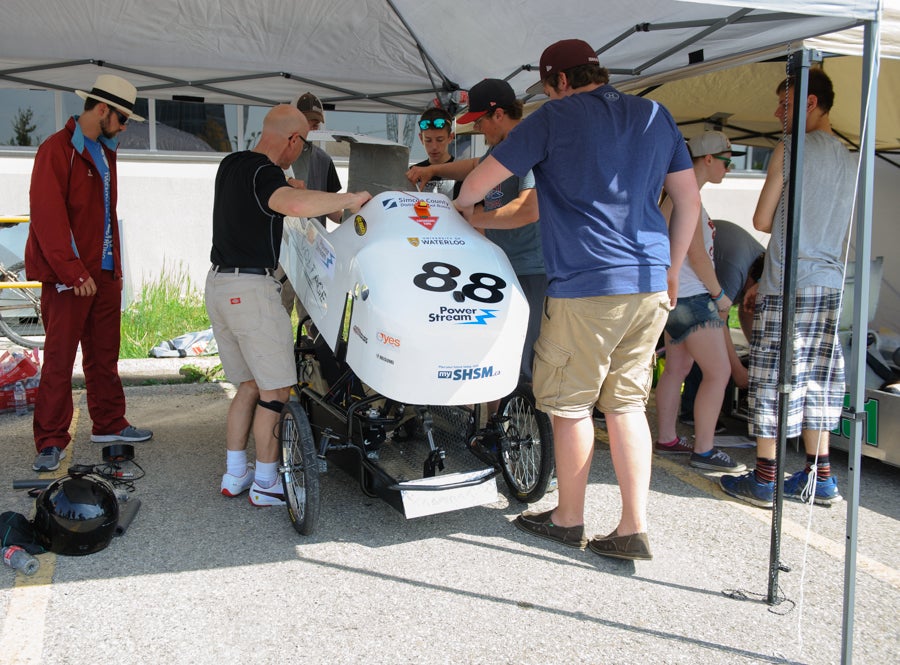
141	371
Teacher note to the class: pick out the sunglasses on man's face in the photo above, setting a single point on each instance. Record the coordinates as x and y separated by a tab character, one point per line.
436	123
727	161
123	119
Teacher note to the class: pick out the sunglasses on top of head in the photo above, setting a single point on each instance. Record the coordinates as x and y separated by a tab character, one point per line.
436	123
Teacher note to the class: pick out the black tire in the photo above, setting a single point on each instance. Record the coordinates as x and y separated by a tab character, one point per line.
299	468
526	455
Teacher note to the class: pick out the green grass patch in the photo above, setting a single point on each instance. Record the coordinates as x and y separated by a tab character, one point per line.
166	308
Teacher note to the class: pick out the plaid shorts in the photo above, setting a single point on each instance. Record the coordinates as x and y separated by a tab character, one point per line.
817	384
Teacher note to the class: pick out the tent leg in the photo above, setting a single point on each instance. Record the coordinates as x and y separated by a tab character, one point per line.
857	388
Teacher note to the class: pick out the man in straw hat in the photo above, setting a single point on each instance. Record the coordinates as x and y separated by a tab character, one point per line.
73	249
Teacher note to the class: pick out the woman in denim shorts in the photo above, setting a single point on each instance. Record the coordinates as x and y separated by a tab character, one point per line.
694	330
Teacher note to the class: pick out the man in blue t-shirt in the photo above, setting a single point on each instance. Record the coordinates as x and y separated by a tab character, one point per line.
600	160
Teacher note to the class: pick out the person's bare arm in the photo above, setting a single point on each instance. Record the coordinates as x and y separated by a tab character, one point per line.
681	187
521	211
739	373
455	170
771	191
310	203
478	183
702	265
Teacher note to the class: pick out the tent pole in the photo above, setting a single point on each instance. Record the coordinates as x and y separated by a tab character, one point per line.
797	67
855	414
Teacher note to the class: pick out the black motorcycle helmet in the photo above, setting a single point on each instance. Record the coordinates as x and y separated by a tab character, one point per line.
76	514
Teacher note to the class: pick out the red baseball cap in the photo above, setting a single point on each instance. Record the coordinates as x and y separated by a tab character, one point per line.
566	54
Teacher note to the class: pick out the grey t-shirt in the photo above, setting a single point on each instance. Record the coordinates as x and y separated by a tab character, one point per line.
829	175
734	251
522	245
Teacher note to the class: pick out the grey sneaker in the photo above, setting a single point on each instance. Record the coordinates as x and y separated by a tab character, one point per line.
718	461
130	433
48	459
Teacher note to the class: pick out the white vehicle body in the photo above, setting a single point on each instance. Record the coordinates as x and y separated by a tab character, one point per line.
430	310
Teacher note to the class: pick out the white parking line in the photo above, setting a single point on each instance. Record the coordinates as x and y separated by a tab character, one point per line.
830	547
22	640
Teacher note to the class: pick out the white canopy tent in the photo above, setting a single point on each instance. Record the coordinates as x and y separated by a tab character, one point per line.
379	54
398	55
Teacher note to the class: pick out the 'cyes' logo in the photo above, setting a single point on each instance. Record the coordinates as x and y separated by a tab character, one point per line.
384	338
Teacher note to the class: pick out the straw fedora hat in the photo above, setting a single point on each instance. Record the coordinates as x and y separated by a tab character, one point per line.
115	91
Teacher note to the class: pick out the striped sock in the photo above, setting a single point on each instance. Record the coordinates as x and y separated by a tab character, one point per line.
823	466
765	470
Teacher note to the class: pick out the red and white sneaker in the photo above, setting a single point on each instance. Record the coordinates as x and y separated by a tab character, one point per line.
234	485
680	447
267	496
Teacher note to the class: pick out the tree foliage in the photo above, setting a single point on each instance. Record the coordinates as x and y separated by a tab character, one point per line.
23	129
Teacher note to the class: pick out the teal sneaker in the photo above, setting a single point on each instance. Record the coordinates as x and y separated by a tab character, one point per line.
748	488
798	487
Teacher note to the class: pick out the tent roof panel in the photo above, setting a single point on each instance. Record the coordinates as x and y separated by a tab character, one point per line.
375	54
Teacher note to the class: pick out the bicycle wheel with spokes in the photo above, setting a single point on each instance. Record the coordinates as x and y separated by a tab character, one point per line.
526	447
13	330
299	468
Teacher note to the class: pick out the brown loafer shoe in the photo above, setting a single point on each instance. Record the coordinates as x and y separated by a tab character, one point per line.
635	546
540	524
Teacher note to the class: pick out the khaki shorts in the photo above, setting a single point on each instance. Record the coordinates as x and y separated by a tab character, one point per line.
252	330
597	351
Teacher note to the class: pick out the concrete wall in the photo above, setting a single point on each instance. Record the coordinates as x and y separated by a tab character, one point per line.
165	208
165	204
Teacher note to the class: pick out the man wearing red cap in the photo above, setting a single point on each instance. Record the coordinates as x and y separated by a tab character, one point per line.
600	160
508	215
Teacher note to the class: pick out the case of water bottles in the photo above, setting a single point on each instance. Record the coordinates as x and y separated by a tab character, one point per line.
18	366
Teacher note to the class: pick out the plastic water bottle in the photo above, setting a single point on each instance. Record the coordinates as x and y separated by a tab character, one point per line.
18	559
21	399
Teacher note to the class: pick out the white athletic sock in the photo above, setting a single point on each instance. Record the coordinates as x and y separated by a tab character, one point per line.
236	462
266	473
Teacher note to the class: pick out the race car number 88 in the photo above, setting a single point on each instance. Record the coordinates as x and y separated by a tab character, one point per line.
440	277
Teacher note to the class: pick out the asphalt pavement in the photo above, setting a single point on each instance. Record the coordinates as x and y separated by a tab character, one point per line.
200	578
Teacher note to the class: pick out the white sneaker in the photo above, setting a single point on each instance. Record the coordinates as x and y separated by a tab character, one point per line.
267	496
235	485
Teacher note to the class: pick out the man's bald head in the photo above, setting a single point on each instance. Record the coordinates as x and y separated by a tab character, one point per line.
283	120
283	135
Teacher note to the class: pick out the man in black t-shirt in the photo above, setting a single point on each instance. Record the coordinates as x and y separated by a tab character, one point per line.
252	329
436	135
